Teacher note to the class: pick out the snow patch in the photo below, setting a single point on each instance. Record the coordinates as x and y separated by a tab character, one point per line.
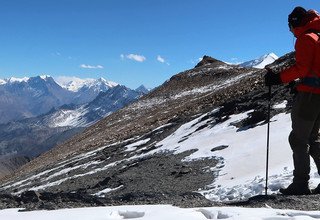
280	105
72	118
105	191
133	146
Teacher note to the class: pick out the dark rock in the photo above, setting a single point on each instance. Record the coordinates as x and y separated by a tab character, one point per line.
222	147
208	60
30	196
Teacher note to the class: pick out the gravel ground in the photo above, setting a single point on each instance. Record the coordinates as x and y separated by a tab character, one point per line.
35	201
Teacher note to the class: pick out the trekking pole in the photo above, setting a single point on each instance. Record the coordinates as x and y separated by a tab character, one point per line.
268	137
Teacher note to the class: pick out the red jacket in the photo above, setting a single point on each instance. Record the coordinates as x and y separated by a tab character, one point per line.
307	60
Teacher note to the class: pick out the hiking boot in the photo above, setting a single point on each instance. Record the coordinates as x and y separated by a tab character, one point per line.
316	190
296	189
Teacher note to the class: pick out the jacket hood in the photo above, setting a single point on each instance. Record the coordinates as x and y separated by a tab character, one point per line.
313	23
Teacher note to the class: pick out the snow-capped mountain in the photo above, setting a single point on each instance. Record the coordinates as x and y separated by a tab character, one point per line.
85	89
14	79
90	90
28	97
261	62
31	96
74	84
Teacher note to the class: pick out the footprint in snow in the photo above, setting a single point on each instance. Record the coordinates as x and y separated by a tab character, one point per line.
214	214
126	214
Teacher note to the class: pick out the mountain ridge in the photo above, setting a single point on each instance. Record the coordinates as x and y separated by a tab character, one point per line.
33	96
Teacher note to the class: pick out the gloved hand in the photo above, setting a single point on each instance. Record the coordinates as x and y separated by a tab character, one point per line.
272	78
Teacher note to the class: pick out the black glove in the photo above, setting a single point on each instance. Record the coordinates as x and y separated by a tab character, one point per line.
272	78
293	89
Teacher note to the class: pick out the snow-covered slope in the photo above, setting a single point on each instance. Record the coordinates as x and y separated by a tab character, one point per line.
261	62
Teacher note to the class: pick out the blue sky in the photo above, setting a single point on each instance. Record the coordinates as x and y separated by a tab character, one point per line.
136	42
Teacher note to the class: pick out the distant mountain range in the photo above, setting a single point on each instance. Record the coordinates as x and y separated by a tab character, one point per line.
37	113
33	136
30	97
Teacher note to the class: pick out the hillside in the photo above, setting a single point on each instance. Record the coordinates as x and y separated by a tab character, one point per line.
148	152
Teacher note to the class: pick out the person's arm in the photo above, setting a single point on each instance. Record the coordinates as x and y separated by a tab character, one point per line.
304	57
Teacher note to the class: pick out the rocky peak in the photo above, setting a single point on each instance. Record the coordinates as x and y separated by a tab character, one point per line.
207	59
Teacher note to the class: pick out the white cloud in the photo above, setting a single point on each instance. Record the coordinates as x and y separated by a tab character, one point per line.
135	57
160	59
84	66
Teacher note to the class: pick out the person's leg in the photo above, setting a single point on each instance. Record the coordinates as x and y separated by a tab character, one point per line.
314	143
303	118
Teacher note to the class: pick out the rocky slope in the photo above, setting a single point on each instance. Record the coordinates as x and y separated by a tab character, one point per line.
121	159
10	163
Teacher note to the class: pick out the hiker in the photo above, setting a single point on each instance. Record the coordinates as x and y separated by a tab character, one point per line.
304	138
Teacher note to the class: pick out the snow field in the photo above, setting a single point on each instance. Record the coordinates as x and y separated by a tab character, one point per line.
160	212
242	171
